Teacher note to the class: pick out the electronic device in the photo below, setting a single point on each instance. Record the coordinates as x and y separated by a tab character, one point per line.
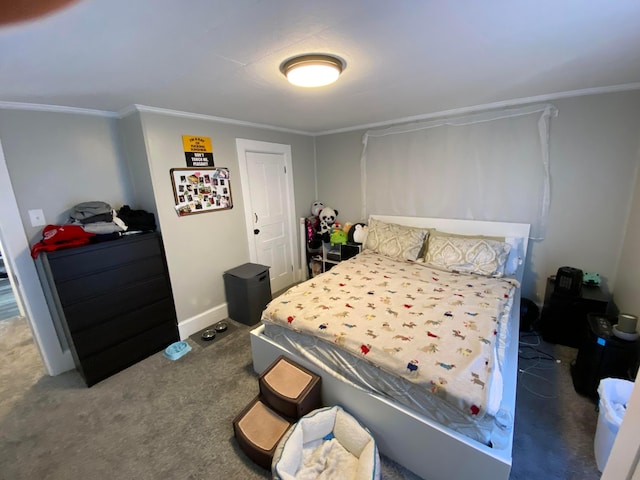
568	281
591	279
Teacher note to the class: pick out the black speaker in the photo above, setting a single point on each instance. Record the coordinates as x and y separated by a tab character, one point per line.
568	281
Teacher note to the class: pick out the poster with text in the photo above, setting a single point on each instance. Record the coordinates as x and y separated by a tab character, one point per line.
197	151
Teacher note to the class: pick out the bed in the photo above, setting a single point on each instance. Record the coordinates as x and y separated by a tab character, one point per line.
425	410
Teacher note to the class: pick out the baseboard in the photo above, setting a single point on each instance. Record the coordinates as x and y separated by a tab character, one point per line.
194	324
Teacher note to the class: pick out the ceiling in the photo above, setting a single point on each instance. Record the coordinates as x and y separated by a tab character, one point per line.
405	58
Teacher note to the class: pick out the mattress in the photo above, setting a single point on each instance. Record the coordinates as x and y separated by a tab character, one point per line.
429	339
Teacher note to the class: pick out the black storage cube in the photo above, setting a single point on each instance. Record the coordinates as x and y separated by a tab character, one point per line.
602	355
248	290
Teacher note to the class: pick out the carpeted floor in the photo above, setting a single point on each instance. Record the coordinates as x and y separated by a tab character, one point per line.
172	420
555	427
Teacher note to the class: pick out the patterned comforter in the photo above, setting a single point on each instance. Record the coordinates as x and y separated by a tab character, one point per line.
434	328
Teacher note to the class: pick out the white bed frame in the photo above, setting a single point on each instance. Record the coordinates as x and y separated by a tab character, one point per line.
428	449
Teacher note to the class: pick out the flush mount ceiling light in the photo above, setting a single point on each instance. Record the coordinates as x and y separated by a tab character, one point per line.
312	70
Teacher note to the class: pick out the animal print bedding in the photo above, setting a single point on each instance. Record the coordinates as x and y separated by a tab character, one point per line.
434	328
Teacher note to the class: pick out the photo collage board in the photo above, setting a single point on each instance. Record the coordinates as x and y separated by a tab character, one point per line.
201	190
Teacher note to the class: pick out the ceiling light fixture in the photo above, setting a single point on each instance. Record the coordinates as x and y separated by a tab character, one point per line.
312	70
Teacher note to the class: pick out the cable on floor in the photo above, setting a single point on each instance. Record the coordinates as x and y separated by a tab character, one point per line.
540	360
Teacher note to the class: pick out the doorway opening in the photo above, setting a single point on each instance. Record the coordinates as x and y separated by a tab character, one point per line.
8	303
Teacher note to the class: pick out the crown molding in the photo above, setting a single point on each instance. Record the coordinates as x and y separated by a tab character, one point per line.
197	116
37	107
490	106
210	118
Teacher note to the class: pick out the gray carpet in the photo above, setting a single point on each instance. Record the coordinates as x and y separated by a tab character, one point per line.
172	420
555	427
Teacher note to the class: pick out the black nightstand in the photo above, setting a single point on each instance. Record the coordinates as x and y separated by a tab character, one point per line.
564	317
334	254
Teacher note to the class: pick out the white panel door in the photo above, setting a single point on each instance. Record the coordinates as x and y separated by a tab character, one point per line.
268	194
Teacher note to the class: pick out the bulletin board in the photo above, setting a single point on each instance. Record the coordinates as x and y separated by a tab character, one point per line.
201	190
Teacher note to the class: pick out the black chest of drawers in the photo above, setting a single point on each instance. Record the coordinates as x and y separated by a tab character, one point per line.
113	301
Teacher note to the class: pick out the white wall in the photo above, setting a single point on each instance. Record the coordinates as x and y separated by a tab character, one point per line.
134	149
594	162
200	248
57	160
627	291
623	461
594	144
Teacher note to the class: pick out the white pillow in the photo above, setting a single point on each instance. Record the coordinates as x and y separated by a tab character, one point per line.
395	241
467	254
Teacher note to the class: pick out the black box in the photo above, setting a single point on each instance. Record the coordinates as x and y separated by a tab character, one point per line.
248	290
602	355
349	250
564	317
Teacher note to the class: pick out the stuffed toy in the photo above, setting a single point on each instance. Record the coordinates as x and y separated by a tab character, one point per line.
316	207
327	219
338	237
314	241
358	233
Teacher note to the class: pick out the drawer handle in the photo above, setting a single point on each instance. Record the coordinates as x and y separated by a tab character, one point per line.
262	277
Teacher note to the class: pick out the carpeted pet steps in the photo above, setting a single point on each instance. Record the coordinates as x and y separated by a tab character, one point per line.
288	391
258	430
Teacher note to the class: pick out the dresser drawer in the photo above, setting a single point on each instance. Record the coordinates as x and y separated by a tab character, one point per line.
80	261
98	367
112	301
100	283
119	329
93	311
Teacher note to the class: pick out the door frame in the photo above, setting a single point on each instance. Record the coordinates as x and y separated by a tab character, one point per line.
243	147
25	278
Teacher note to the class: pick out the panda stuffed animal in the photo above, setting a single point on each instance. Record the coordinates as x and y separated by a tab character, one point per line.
316	208
327	219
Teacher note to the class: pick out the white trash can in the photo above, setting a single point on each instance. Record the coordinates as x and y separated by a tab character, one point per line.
614	395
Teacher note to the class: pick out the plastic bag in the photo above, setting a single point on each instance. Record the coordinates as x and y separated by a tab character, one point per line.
614	395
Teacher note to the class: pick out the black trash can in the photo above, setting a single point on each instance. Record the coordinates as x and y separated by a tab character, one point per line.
248	290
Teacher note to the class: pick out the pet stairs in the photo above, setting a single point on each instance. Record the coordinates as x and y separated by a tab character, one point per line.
288	391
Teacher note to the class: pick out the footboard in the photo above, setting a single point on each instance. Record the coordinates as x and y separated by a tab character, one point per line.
429	450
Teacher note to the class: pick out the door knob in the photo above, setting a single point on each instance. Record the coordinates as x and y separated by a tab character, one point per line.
256	231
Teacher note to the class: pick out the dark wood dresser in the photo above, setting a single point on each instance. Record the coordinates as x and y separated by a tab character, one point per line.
113	301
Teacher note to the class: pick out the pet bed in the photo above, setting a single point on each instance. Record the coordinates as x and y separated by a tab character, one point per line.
327	443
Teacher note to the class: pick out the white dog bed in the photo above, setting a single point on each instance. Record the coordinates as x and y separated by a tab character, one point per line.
327	443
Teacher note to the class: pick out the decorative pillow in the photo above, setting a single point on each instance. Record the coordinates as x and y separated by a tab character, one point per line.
395	241
467	254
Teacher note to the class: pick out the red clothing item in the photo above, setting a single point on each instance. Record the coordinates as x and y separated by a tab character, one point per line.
56	237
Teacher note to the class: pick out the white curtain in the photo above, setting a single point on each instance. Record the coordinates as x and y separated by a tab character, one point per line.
486	166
